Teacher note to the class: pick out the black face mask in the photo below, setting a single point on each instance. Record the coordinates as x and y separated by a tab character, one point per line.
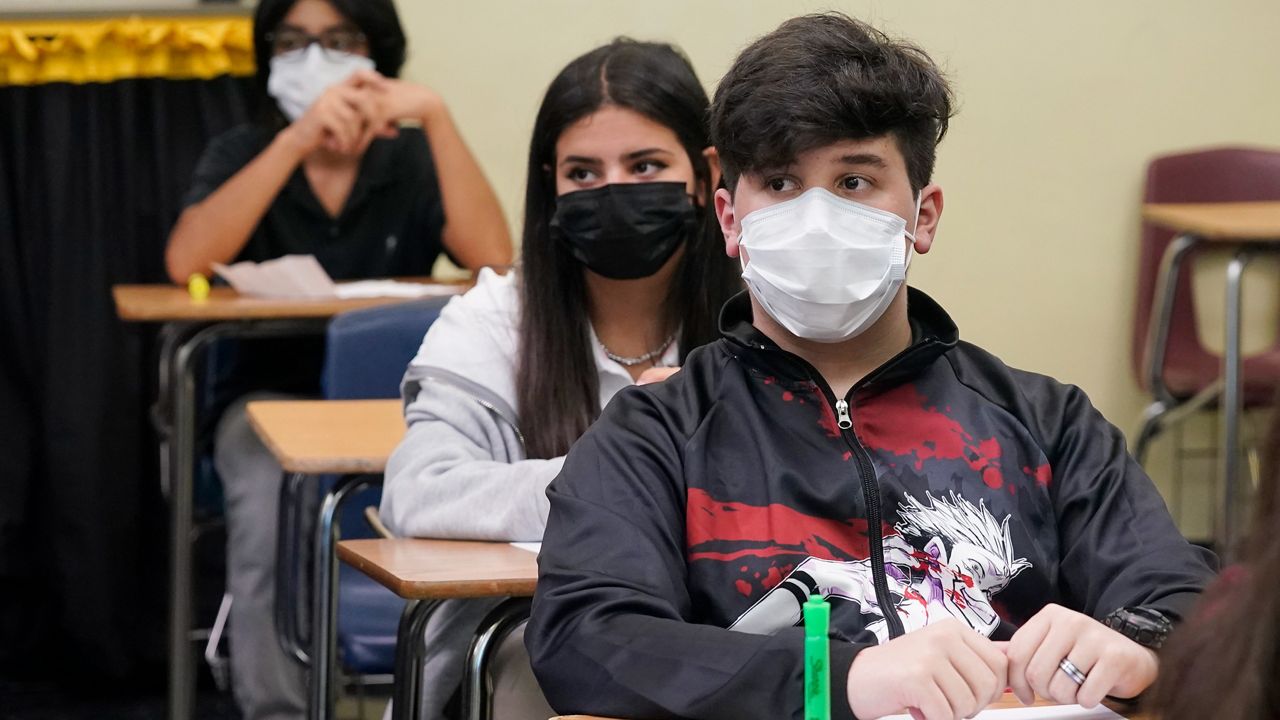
625	231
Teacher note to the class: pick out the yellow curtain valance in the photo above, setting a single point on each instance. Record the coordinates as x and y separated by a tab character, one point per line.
103	50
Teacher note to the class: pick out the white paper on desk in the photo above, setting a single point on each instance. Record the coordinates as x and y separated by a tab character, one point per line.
302	277
291	276
393	288
1049	712
533	547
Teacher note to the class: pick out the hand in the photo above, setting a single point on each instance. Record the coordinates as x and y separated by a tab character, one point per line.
1112	663
338	121
397	100
656	375
945	671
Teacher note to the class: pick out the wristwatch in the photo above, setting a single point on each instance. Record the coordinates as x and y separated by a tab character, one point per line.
1143	625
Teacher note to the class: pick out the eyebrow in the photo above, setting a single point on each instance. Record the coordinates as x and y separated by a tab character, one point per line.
634	155
862	159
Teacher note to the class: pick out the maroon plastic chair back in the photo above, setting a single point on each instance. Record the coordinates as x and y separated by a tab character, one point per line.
1217	175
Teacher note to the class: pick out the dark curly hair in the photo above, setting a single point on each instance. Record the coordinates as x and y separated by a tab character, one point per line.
823	78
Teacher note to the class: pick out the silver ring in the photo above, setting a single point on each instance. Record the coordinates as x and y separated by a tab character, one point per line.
1072	671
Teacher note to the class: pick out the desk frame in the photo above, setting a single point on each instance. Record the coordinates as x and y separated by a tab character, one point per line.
183	344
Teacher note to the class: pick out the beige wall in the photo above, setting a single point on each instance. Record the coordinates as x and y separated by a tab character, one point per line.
1061	105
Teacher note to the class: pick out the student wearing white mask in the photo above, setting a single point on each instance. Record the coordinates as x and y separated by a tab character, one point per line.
973	526
331	169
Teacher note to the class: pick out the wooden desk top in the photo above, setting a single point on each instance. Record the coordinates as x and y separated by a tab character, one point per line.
417	569
167	303
1005	703
1235	222
329	436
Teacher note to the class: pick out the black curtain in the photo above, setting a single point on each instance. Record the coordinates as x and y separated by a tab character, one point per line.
91	180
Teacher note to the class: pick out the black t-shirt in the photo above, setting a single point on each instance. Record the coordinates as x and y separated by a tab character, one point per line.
390	226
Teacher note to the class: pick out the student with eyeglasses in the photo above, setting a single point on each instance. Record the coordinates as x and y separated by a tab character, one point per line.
327	169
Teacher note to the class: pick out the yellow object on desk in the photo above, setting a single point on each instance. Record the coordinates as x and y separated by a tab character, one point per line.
198	287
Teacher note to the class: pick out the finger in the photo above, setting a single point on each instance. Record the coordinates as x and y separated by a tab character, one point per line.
341	121
983	681
996	662
1098	684
1022	647
960	696
362	78
1062	689
933	704
1044	664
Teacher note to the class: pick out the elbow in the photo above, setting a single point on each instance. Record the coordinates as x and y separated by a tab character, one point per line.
178	271
177	263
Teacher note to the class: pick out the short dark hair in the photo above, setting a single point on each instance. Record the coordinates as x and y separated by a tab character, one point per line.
823	78
377	19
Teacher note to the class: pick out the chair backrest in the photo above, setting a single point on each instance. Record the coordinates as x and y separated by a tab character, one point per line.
366	353
1230	174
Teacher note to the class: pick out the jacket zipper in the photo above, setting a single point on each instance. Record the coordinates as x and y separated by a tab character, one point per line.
870	490
871	496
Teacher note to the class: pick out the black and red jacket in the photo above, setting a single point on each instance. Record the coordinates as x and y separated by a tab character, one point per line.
727	494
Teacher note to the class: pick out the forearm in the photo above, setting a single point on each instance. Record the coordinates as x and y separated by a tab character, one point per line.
216	229
475	231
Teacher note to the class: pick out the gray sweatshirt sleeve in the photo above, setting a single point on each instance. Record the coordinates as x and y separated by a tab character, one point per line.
460	471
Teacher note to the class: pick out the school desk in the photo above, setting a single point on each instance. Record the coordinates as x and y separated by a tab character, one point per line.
424	572
190	327
1246	230
310	438
1007	702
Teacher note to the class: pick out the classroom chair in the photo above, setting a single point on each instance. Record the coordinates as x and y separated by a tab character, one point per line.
1171	364
366	354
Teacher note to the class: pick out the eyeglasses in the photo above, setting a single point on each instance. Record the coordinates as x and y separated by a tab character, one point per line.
344	40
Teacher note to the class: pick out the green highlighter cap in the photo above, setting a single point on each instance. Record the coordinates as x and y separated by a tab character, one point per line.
817	659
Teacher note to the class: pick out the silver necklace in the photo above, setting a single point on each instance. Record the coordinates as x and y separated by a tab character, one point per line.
625	361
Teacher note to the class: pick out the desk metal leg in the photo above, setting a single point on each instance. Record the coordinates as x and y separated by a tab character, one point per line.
325	597
409	648
181	381
182	348
477	690
289	574
1232	404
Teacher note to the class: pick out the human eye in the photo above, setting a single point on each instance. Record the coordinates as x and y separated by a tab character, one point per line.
854	183
287	41
646	168
580	175
344	40
780	184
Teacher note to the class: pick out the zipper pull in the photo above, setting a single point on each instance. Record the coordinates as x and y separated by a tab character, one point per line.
842	415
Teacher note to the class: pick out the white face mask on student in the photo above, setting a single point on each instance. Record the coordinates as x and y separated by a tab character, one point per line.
298	78
824	267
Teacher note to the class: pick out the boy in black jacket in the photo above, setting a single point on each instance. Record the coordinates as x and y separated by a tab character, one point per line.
974	526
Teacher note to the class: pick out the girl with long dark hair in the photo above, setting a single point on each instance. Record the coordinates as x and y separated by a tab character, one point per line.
623	273
1224	661
328	170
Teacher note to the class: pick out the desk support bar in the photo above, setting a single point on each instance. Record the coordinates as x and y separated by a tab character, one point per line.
477	686
182	348
324	629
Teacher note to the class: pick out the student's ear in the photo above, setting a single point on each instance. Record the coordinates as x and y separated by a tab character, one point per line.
728	221
713	164
930	216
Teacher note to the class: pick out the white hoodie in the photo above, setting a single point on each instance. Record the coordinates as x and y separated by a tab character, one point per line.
461	472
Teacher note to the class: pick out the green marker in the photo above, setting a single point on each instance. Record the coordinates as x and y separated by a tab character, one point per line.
817	659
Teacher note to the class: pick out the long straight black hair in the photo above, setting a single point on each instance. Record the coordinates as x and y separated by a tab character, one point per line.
556	383
377	19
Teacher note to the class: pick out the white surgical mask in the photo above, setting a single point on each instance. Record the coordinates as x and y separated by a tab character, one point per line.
300	77
824	267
